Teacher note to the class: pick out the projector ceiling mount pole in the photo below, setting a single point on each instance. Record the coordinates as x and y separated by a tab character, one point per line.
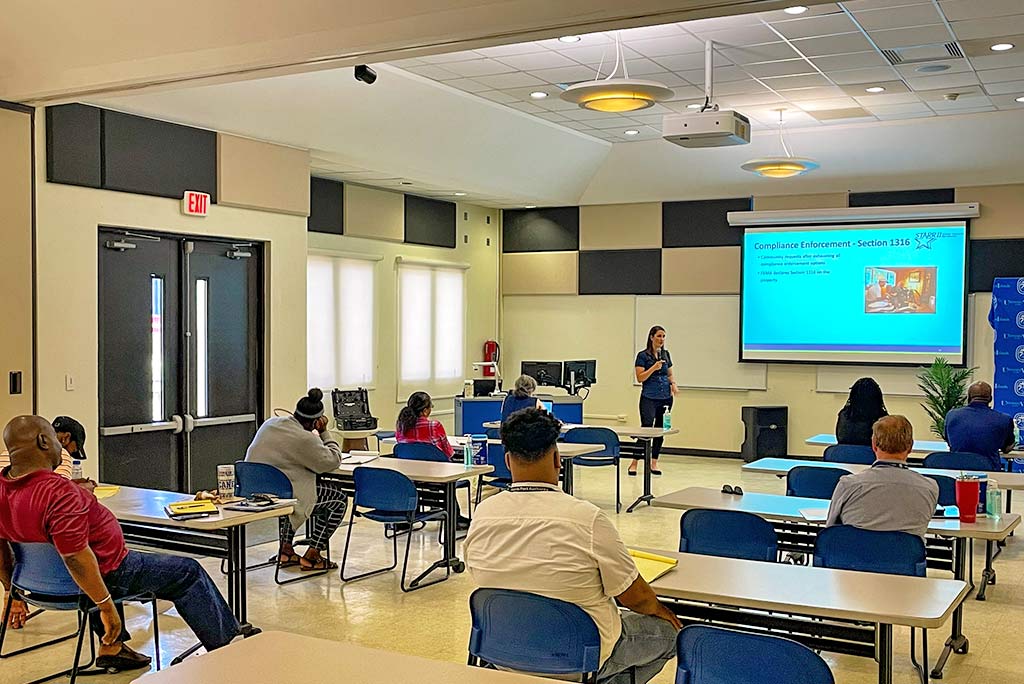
709	75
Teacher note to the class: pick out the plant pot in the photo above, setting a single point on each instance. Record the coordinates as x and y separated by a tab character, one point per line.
968	492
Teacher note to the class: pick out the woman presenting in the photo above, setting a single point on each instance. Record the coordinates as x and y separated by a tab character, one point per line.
654	371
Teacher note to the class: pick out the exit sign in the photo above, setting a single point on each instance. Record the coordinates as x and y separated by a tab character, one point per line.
195	203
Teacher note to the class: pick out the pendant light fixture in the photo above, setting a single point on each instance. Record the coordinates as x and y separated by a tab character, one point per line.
616	94
783	166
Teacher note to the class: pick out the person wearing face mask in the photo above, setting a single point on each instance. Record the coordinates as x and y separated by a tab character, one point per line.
653	369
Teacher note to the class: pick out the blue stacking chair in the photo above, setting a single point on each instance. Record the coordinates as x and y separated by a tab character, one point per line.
261	478
813	482
713	655
849	453
845	547
424	451
493	433
608	457
41	579
957	460
530	633
947	489
501	478
729	534
390	498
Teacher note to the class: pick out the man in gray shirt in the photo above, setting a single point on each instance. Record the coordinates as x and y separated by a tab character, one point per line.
888	497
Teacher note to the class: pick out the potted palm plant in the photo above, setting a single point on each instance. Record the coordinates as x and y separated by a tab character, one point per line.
945	388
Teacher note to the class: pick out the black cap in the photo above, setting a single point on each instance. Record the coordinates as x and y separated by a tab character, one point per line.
75	429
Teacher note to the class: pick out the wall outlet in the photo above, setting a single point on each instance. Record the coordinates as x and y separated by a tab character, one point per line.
69	382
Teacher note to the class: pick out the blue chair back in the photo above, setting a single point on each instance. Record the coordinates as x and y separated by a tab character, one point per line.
39	569
260	478
729	534
845	547
532	633
957	460
493	433
384	490
595	435
496	458
420	451
947	489
713	655
813	482
849	453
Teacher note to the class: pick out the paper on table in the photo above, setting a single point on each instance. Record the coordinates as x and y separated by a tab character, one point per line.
650	565
105	491
814	514
352	459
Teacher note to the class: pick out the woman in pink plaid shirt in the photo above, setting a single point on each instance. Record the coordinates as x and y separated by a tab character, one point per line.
415	425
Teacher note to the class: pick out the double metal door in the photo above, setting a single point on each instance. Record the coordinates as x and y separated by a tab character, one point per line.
179	342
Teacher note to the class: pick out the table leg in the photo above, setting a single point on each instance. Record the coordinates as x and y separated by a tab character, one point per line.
647	496
450	560
988	575
957	641
567	476
883	648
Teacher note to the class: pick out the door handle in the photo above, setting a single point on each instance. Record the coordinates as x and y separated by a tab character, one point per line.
190	423
224	420
173	425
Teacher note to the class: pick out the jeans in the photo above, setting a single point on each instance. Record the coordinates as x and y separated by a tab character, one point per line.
646	644
181	581
652	411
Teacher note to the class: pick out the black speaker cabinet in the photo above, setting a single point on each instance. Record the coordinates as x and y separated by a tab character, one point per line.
765	432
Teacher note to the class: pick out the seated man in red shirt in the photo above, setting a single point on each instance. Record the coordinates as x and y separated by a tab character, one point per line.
39	506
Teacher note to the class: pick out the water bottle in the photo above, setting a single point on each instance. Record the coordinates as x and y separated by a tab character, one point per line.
76	470
666	420
994	500
467	451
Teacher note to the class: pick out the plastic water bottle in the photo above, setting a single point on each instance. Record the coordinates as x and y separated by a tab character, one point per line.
666	420
76	470
467	451
994	500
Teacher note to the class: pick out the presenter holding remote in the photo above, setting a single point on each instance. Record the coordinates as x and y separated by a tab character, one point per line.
654	371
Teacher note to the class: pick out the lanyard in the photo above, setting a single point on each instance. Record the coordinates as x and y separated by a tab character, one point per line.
532	489
889	464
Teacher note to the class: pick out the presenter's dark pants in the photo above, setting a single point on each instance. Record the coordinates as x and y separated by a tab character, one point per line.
652	411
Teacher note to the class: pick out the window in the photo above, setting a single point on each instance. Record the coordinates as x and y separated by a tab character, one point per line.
431	329
340	322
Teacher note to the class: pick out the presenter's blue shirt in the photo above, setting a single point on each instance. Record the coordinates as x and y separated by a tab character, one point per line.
657	386
512	403
978	429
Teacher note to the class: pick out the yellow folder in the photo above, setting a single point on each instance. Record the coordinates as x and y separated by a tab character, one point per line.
650	565
188	507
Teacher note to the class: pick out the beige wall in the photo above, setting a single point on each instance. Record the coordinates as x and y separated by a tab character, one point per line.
67	218
481	292
15	260
259	175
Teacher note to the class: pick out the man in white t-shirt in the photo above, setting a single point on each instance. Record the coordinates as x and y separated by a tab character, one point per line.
536	538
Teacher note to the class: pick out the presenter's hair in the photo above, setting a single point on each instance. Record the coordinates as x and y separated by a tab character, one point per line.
655	329
530	433
893	434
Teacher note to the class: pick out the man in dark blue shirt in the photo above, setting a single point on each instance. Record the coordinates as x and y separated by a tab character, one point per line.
979	429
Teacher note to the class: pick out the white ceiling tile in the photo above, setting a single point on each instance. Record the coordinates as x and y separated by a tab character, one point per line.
988	28
855	60
527	107
461	56
834	103
960	103
781	83
998	61
433	72
553	116
812	11
956	66
813	27
1005	88
697	26
680	43
789	67
566	74
585	39
960	112
1008	101
863	75
723	74
849	120
516	79
580	114
537	60
468	85
640	67
497	96
935	95
514	49
805	94
681	91
740	35
556	104
769	52
646	32
942	81
833	45
906	115
885	99
649	118
478	67
907	15
971	9
593	54
619	122
576	126
524	93
405	63
908	108
907	37
693	60
1002	75
861	5
745	87
765	98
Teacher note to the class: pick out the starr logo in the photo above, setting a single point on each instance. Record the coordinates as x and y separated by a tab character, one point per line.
924	240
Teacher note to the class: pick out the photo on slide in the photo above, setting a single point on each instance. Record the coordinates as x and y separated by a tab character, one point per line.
898	290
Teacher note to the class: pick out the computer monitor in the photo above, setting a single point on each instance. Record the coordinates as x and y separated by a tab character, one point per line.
483	387
548	406
585	373
544	372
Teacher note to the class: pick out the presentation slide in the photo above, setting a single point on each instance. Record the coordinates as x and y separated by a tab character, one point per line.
875	294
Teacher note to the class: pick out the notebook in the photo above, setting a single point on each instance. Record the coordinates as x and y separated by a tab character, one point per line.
814	514
359	457
190	509
105	491
651	565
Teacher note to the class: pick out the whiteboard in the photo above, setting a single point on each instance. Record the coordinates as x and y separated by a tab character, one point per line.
903	381
703	337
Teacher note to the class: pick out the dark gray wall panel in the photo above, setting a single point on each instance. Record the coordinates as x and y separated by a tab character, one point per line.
620	271
73	145
429	222
550	229
326	206
899	197
994	259
701	223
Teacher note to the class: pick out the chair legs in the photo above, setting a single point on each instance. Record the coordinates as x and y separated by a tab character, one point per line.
394	551
26	649
922	667
405	564
618	486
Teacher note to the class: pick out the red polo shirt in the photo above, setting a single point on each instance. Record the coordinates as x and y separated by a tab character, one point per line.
45	507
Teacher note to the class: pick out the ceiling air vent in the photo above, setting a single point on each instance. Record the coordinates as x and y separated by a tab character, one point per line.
922	53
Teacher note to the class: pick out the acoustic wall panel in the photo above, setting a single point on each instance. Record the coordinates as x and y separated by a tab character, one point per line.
823	200
898	197
620	271
376	214
700	270
326	206
701	223
259	175
429	222
550	229
621	226
73	145
539	273
1002	210
991	259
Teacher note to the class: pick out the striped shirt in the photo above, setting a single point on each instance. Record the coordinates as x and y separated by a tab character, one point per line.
64	469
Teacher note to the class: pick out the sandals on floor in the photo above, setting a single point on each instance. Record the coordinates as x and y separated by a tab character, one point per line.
320	565
292	561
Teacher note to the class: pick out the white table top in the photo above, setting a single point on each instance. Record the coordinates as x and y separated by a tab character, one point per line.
566	449
621	430
273	657
132	504
422	471
354	434
819	592
779	507
781	466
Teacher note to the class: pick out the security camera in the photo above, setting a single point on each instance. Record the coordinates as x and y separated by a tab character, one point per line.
365	74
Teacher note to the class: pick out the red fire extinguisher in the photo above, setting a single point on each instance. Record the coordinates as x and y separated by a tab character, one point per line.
492	352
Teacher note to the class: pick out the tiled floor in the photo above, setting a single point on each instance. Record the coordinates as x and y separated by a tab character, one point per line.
434	622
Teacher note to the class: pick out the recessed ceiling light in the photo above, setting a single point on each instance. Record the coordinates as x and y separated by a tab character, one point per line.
538	95
932	68
695	105
569	39
1019	99
459	194
875	89
795	9
1002	47
631	131
529	206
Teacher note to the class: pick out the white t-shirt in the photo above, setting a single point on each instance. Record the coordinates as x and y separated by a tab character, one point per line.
552	544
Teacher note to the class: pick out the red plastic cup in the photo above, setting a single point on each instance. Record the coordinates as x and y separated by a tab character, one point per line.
967	494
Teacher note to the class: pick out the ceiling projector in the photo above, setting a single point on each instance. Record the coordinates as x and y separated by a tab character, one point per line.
706	129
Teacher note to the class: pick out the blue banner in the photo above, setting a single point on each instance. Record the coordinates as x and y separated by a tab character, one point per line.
1007	319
